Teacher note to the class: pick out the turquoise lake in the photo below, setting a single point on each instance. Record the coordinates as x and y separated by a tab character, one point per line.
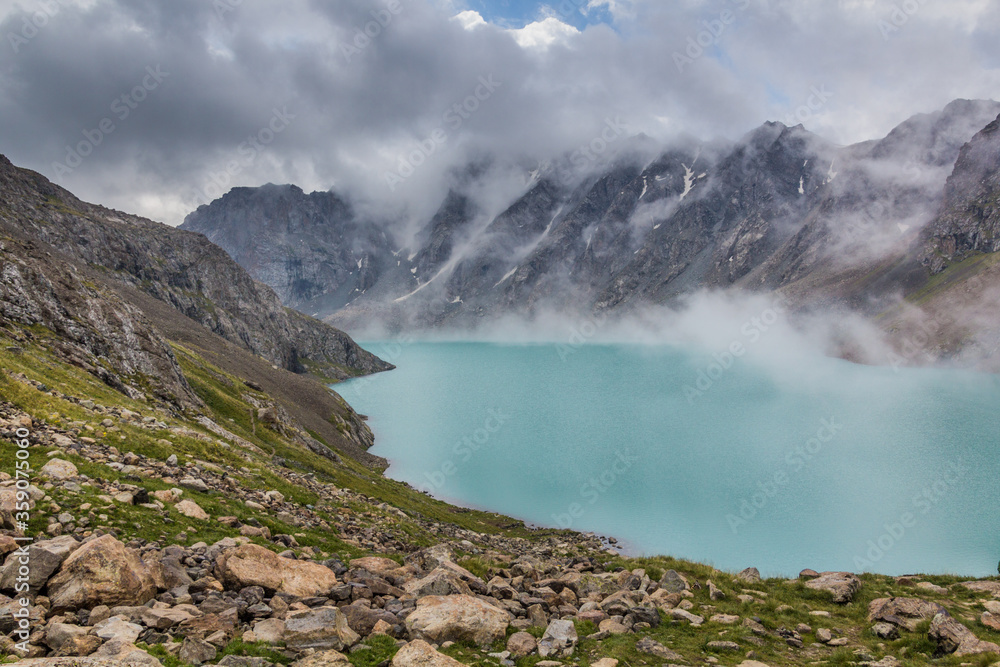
825	464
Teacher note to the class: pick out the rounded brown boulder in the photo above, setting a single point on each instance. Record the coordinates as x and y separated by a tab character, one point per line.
252	565
102	571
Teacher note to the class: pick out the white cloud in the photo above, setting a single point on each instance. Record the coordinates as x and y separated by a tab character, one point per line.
544	33
469	19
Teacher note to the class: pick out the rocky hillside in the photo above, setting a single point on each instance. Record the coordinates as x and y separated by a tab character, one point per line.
155	538
779	209
179	268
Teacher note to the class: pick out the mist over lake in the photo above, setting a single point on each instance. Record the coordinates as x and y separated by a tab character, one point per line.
819	464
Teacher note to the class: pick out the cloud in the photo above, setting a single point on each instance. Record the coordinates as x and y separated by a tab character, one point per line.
544	33
369	84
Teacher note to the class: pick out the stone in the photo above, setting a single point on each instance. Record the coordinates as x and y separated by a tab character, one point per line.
322	628
714	593
537	616
164	619
725	619
244	661
102	571
612	627
270	630
753	663
194	484
903	612
253	565
652	647
375	565
560	639
992	606
118	652
932	588
362	619
419	653
117	627
953	637
431	557
172	459
59	470
672	582
684	615
323	659
192	510
991	587
196	651
885	631
722	646
59	634
79	645
439	582
605	662
382	627
839	641
457	618
841	585
824	635
44	558
751	575
991	620
521	644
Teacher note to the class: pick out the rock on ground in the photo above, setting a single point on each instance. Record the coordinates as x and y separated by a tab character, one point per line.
457	618
419	653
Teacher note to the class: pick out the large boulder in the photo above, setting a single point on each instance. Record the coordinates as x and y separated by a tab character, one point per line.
102	571
322	629
376	565
673	582
903	612
841	585
421	654
252	565
43	559
59	470
457	618
559	640
953	637
9	507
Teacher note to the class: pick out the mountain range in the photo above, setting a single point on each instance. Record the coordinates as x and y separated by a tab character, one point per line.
780	209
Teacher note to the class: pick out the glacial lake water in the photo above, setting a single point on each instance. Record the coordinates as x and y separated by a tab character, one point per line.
826	465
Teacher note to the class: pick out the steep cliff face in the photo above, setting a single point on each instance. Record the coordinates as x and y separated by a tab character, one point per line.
91	326
180	268
970	217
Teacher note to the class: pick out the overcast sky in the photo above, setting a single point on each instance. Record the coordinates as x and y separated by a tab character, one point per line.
143	104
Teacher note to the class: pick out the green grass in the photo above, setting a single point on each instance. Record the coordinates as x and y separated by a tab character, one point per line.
257	650
382	648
